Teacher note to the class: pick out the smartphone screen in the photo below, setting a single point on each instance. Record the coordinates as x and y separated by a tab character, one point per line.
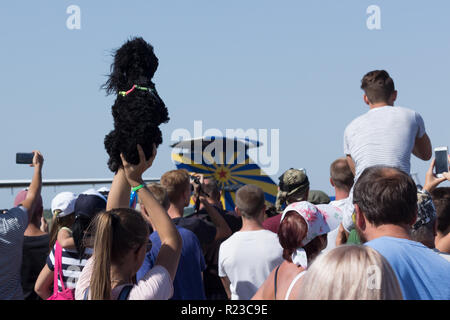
441	160
24	158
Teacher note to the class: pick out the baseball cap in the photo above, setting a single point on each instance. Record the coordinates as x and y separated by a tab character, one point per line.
88	205
22	195
293	180
63	202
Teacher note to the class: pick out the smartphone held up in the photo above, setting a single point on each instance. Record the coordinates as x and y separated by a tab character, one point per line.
441	164
24	158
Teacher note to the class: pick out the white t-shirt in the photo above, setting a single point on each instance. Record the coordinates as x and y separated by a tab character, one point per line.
247	258
383	136
155	285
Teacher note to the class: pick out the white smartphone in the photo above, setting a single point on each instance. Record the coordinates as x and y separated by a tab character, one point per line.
441	165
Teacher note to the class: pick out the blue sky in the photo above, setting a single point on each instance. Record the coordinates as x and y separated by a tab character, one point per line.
295	66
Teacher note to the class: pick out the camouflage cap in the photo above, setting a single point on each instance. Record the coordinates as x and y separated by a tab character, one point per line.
292	182
293	179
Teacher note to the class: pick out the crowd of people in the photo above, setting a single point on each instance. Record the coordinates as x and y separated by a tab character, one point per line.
382	237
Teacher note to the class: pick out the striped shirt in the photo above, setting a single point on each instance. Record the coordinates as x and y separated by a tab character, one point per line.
71	265
383	136
12	227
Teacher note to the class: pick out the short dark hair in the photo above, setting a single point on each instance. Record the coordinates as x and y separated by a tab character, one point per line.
386	195
341	174
250	201
378	86
441	201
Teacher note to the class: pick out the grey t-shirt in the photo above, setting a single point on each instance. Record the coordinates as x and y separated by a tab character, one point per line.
383	136
12	227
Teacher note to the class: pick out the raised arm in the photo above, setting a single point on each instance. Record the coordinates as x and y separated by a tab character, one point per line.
223	230
422	148
119	194
154	213
34	190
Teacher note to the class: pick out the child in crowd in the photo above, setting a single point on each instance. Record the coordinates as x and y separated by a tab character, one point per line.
63	207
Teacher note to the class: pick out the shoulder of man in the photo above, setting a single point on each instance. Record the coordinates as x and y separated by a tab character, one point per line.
17	217
204	230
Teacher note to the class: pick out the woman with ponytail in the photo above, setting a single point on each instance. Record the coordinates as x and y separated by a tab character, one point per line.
121	241
303	235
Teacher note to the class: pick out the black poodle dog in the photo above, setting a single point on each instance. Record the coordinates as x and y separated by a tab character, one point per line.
138	110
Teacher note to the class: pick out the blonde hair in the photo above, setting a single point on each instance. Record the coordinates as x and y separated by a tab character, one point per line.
350	272
116	233
175	182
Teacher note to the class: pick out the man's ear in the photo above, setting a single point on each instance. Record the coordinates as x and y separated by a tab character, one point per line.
238	212
394	96
263	211
332	183
414	219
366	100
360	220
435	228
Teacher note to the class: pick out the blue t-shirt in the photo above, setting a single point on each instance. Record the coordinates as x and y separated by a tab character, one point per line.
188	283
422	273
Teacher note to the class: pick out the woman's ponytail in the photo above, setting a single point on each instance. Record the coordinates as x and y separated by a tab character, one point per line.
100	286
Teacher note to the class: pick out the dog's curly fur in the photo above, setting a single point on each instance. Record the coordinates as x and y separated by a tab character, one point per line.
138	115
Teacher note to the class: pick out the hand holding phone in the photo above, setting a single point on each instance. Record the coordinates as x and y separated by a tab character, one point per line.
441	165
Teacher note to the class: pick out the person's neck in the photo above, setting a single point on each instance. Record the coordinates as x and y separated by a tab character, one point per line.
33	231
175	211
341	194
119	276
380	104
388	230
251	225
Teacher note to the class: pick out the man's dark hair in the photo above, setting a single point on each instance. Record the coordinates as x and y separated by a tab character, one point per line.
386	195
341	174
250	201
378	86
441	200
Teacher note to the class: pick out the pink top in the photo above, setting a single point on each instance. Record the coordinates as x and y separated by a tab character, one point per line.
156	285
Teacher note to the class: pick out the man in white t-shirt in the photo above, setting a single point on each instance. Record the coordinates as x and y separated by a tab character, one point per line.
341	178
385	135
249	255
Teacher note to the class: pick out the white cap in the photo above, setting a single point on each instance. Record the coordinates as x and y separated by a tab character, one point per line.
64	201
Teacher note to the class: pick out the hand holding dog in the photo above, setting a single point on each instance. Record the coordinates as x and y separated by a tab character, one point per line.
134	173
